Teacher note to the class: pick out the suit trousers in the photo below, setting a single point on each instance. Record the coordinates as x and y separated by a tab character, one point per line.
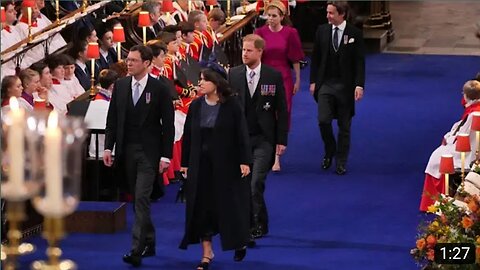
332	104
141	175
263	154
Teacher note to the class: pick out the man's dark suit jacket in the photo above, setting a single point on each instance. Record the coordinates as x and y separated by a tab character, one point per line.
352	58
271	106
82	77
102	62
157	129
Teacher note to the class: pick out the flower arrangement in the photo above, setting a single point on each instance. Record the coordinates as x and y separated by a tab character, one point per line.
454	223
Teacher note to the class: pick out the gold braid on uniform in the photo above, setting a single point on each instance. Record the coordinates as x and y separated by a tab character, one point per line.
189	91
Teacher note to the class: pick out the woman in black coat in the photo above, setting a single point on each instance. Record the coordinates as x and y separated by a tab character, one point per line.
217	155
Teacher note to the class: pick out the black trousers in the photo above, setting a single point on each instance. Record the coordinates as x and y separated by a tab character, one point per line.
141	175
332	104
263	154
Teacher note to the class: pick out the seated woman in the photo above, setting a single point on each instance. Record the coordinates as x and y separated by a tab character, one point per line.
434	181
12	87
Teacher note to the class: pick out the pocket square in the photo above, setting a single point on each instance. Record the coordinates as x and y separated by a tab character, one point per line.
351	40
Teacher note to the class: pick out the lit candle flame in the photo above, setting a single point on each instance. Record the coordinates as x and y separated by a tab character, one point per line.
14	104
52	120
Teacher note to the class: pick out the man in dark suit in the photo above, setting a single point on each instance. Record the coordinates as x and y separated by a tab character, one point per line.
261	92
154	10
336	81
140	126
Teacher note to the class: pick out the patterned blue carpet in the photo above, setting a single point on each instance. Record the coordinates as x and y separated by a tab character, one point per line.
365	220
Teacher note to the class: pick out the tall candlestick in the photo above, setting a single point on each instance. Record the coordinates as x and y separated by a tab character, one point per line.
16	147
29	13
53	165
144	35
93	68
228	22
57	10
119	51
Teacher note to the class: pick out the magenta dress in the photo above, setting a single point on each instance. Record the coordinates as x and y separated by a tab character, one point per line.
281	49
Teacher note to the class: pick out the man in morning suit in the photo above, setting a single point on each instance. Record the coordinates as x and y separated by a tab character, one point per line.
262	94
140	126
336	81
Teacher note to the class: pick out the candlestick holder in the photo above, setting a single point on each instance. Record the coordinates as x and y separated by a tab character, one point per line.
228	20
21	174
84	5
60	195
57	11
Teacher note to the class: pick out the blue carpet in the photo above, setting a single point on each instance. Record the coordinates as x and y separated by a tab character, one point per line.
364	220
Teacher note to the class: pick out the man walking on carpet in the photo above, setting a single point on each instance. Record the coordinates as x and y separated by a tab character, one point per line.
337	78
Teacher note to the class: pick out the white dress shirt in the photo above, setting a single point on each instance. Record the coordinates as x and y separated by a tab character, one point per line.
341	29
252	83
142	82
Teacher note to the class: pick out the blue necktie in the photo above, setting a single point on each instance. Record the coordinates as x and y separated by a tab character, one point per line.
136	93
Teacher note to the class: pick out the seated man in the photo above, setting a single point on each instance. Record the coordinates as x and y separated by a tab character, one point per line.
434	181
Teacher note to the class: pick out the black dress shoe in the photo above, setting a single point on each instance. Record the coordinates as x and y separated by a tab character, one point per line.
135	259
327	162
341	170
148	251
240	254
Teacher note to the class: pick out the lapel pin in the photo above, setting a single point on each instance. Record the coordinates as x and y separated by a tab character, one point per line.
147	97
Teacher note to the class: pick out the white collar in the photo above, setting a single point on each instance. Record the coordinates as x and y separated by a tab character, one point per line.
340	26
256	70
81	64
104	53
142	81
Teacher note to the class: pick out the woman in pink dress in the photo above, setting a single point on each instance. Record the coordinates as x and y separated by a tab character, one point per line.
283	50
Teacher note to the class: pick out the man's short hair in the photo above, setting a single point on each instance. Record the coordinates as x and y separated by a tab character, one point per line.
257	40
145	52
341	6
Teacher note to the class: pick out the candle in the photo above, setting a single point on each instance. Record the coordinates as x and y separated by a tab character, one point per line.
16	147
119	51
53	165
228	9
93	68
29	11
57	9
189	5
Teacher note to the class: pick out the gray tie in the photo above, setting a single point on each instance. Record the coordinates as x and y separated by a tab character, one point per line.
335	38
251	86
136	93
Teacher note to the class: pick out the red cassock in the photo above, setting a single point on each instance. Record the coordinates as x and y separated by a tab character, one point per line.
184	50
157	72
186	95
210	37
198	41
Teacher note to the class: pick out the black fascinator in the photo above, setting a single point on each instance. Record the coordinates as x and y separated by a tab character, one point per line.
212	64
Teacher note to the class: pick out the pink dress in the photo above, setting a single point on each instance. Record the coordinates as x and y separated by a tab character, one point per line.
281	49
